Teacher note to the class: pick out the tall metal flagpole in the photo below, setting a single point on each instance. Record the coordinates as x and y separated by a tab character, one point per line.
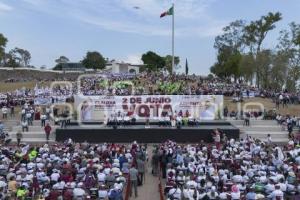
173	61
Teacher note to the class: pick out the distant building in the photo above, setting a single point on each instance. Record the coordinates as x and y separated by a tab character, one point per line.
111	66
72	67
121	67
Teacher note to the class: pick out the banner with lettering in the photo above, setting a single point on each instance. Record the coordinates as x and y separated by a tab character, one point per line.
99	108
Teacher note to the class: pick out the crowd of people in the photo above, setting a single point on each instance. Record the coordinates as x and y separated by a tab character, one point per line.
246	169
142	84
70	171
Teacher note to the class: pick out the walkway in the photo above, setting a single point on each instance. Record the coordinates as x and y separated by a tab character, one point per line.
149	190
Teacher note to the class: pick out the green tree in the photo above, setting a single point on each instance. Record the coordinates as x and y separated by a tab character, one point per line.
279	71
58	67
256	32
11	61
289	47
168	62
264	61
62	59
229	46
228	64
3	41
153	61
232	37
59	62
21	56
94	60
247	67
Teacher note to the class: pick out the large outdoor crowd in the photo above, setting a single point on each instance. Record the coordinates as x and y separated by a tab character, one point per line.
229	169
142	84
70	171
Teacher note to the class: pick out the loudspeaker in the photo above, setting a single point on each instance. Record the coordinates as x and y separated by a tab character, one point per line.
178	126
115	126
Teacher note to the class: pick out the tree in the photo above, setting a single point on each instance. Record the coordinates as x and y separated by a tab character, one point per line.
228	63
94	60
58	67
153	61
279	71
22	56
256	32
264	61
168	62
289	47
247	67
229	46
3	41
62	59
232	36
11	61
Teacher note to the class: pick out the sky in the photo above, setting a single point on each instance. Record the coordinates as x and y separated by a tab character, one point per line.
115	28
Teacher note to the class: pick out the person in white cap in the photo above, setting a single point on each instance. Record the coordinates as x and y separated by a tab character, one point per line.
277	194
78	192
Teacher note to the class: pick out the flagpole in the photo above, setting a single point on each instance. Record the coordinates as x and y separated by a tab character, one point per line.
173	61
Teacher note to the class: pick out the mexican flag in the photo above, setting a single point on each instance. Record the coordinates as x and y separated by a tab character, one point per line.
168	12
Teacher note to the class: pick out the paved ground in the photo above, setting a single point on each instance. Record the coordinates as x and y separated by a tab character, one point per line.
149	190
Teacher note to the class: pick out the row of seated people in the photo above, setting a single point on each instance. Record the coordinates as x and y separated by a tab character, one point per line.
67	170
247	169
122	119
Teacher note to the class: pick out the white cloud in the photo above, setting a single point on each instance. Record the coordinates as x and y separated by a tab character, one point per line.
191	16
134	59
4	7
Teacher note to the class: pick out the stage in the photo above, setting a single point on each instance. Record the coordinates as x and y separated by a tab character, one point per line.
97	133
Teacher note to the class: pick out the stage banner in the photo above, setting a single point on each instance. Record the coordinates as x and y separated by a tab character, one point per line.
199	107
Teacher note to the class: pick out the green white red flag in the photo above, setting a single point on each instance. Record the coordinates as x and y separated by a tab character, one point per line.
168	12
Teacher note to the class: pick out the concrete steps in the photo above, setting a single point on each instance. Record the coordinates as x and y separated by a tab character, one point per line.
31	128
262	135
253	122
260	129
35	140
31	135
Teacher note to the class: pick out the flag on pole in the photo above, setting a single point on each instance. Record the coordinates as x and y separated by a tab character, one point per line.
168	12
186	67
